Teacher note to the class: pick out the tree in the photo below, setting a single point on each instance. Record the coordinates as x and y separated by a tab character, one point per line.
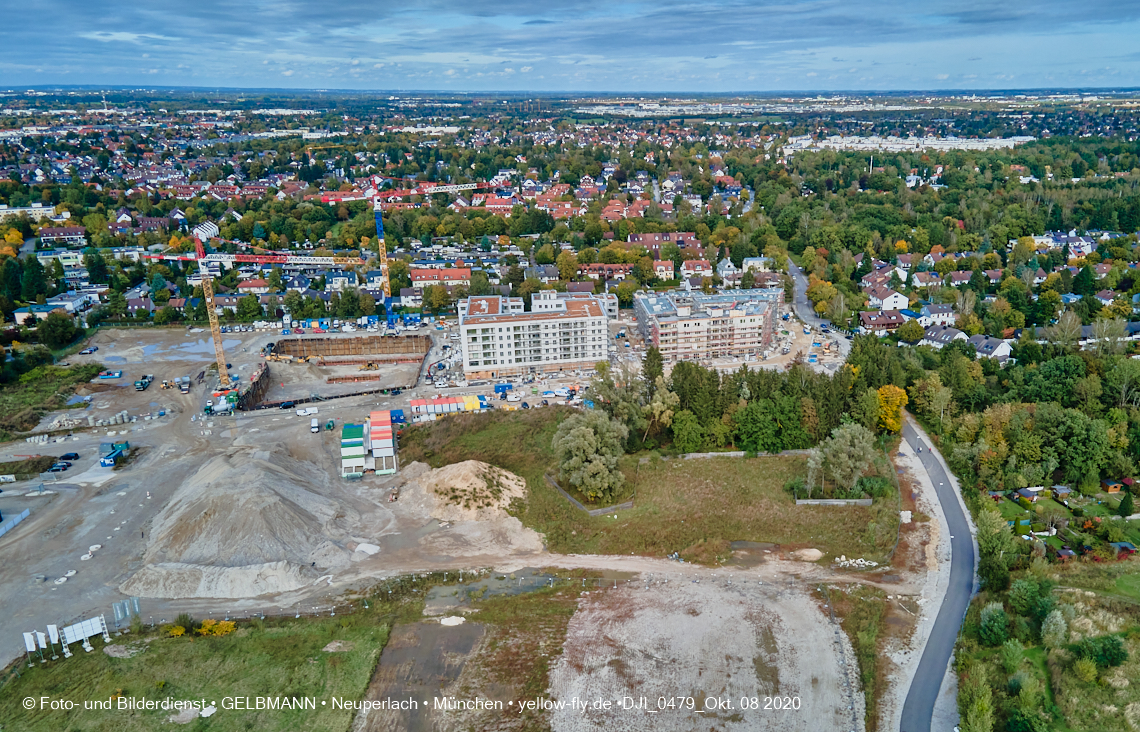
567	264
166	315
659	410
588	447
891	401
1066	331
994	627
847	453
95	265
618	393
544	254
688	435
911	331
436	298
1125	508
652	368
248	308
1012	654
930	397
975	699
294	302
1054	631
56	330
625	292
117	304
367	304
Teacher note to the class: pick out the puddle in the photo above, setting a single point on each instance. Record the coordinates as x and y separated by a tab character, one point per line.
75	399
749	553
418	662
444	599
113	359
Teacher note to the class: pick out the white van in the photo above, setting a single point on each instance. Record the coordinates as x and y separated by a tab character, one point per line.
314	426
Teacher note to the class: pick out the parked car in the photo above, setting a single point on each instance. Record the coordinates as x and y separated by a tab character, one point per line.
525	405
58	468
68	456
89	350
288	405
299	331
514	398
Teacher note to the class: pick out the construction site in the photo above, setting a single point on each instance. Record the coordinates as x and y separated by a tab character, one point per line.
263	471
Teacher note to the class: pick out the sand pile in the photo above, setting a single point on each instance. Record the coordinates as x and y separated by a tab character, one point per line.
245	524
472	491
473	496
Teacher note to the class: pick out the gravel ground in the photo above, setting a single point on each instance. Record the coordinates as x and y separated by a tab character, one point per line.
711	641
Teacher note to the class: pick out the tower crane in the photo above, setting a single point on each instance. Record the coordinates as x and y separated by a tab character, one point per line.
204	259
383	249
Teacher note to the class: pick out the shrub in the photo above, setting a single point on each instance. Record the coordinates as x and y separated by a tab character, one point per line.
186	620
1105	651
1012	654
1085	670
1054	630
994	627
176	631
1022	594
217	627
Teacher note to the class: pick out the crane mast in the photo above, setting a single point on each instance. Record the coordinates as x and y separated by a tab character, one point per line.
383	249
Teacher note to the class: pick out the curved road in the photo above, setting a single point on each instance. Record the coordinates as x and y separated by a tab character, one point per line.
919	705
804	310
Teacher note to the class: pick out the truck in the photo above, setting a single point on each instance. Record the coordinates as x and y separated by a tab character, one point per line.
184	387
144	382
314	425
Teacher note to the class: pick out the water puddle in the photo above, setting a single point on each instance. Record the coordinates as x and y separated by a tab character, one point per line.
749	553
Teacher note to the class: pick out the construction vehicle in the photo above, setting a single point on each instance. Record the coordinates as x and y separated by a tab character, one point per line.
383	250
165	384
224	380
370	366
330	425
144	382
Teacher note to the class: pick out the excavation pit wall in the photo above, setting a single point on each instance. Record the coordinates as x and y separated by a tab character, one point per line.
381	349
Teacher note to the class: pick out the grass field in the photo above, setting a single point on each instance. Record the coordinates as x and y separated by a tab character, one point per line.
274	657
37	392
860	609
695	507
284	657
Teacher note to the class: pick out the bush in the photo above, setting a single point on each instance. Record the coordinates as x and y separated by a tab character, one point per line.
176	631
1085	670
994	628
875	486
217	627
1022	594
1012	654
1054	630
1105	651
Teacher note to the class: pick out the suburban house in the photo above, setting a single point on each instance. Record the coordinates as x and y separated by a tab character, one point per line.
663	269
939	336
988	347
696	268
885	298
882	322
421	278
65	235
599	270
932	314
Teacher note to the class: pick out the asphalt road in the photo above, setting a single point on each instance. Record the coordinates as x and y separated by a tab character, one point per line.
803	307
918	708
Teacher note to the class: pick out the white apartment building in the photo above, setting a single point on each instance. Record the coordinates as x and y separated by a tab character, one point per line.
737	324
500	339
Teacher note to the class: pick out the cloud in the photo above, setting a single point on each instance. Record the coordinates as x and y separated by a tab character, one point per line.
125	37
581	44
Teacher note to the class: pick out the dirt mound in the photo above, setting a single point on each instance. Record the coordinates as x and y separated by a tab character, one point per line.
471	491
190	580
254	510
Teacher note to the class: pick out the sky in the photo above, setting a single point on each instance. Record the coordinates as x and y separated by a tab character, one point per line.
574	45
